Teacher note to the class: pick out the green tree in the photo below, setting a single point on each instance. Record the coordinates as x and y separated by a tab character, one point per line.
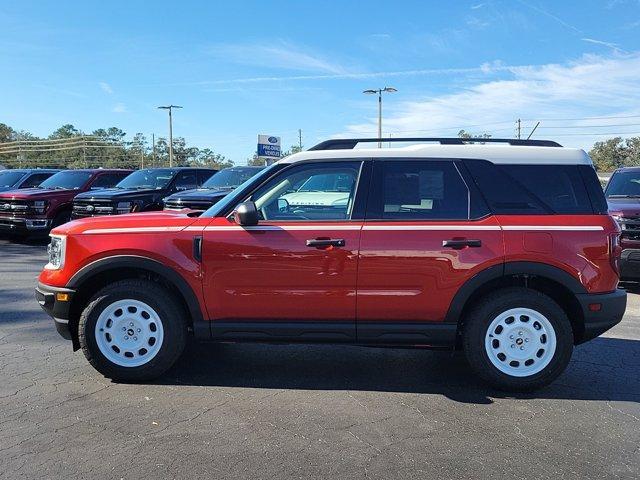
7	134
608	154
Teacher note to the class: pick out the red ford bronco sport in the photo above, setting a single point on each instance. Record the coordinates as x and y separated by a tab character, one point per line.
503	249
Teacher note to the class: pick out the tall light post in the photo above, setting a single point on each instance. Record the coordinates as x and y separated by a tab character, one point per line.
379	92
170	107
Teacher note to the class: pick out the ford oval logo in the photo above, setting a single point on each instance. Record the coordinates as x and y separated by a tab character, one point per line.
272	140
90	208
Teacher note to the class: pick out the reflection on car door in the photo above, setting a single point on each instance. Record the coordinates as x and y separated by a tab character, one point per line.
294	274
426	233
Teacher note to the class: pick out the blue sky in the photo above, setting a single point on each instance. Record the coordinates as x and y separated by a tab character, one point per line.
242	68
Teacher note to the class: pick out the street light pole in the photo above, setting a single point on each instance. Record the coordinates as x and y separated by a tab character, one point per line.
379	92
170	107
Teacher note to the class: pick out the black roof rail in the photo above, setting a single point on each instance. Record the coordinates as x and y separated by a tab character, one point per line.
350	143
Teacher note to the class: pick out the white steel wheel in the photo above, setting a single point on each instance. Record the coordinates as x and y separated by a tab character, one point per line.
520	342
129	333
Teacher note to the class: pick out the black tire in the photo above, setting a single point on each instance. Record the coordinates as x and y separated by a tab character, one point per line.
481	315
171	316
60	219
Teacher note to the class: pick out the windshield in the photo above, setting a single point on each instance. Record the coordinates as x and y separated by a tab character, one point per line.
9	178
236	195
154	179
231	177
67	180
624	184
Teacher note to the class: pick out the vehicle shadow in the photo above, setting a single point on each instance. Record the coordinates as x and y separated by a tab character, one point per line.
603	369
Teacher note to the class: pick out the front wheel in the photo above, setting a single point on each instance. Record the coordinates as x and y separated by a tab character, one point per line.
517	339
132	330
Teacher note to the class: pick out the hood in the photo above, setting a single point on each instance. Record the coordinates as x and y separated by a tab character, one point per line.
36	194
200	194
117	193
624	207
151	222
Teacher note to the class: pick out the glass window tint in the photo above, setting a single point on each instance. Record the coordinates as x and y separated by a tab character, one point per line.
310	192
67	180
624	184
107	180
9	178
423	190
187	180
35	180
531	189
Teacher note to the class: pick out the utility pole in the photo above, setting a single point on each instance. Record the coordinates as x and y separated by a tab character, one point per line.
170	108
519	128
153	140
300	138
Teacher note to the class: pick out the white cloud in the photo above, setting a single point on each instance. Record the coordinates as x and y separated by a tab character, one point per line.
612	45
279	55
591	86
119	108
106	88
476	7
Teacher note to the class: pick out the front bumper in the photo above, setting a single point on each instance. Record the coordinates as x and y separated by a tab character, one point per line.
24	225
601	312
630	264
48	298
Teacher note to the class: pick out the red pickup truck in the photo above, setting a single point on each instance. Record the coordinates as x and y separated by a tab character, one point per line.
36	210
504	251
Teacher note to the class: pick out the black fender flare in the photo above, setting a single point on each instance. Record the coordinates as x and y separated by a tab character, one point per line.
504	270
200	327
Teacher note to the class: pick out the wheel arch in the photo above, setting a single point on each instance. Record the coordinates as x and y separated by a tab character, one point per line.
94	276
558	284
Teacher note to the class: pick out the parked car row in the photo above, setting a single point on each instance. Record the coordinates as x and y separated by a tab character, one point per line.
35	201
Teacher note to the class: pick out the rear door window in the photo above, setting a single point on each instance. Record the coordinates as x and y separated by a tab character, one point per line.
35	180
418	190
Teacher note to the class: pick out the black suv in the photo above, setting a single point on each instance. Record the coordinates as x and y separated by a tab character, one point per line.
141	191
212	190
23	178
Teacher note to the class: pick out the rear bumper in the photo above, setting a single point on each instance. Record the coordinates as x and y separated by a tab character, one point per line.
24	225
609	313
630	264
47	297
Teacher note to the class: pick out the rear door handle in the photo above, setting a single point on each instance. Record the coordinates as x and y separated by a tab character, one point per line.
460	244
326	242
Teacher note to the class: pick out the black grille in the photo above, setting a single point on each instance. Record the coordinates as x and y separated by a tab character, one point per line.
88	208
630	227
14	208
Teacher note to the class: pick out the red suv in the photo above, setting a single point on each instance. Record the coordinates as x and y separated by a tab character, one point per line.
503	250
36	210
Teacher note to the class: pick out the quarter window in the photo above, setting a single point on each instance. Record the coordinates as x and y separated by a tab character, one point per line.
323	191
420	190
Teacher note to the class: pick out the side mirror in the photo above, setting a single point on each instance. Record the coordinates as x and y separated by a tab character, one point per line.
246	214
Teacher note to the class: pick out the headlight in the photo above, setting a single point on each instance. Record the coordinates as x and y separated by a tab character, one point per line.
40	206
123	207
618	219
56	250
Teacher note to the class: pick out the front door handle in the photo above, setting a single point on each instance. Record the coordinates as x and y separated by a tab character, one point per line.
326	242
460	244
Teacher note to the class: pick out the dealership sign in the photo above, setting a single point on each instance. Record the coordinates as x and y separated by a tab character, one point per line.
268	146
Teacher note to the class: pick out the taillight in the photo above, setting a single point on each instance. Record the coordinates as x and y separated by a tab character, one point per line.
615	250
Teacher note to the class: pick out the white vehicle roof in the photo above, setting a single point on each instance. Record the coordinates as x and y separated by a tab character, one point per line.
495	153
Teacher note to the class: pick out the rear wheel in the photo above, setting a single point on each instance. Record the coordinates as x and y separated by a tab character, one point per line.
517	339
132	330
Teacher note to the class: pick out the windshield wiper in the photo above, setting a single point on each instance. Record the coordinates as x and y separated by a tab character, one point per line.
622	196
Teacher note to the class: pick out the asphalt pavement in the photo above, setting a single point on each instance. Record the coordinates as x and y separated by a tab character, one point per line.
295	411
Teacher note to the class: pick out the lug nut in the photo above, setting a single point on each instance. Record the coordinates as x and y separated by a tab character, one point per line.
521	348
141	330
126	337
511	337
124	329
135	338
131	324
